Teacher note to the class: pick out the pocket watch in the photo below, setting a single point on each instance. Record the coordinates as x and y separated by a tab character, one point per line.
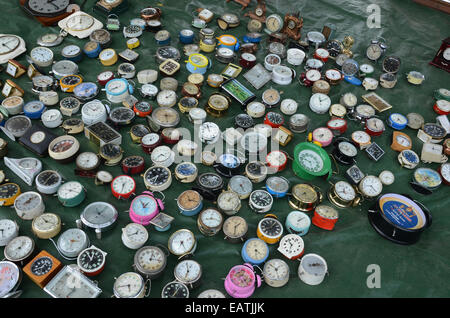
91	261
276	272
305	197
297	223
26	168
48	181
235	229
162	156
255	251
63	284
374	126
276	160
29	205
111	153
8	193
370	186
99	216
209	222
46	225
72	53
64	148
9	229
71	194
361	139
150	261
344	152
188	272
343	195
157	178
19	249
11	277
73	126
400	141
209	185
13	105
186	172
182	242
386	177
165	117
131	285
229	202
260	201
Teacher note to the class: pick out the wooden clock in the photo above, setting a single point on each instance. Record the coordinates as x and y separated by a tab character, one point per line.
47	12
292	26
42	268
243	3
259	13
442	57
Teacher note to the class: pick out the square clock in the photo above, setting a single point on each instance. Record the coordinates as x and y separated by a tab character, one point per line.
374	151
36	139
354	174
42	268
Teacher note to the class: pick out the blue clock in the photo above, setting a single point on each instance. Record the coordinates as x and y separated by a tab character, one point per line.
278	187
298	223
255	251
86	91
92	49
34	109
353	80
186	36
397	121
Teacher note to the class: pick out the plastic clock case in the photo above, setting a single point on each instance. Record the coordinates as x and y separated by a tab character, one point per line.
306	148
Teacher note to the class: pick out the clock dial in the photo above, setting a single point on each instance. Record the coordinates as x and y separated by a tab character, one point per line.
188	271
182	242
271	227
235	227
327	212
19	248
211	218
298	219
374	51
72	242
123	184
136	233
91	260
228	201
403	141
347	149
371	186
276	269
53	7
79	22
87	160
261	198
446	54
150	259
157	176
175	290
128	285
445	172
345	191
99	214
310	160
305	193
8	43
257	249
241	185
41	266
387	177
10	275
189	199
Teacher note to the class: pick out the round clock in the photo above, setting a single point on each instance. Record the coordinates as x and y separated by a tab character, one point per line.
189	202
91	261
71	242
319	103
144	208
229	202
260	201
8	193
425	180
48	181
386	177
270	229
175	289
71	194
150	142
242	281
121	116
134	235
277	186
235	229
162	156
157	178
370	186
297	223
87	161
182	242
64	148
122	187
10	278
46	225
343	195
186	172
150	261
130	285
19	249
276	160
100	216
240	185
209	222
276	272
292	246
111	154
165	117
9	229
255	251
311	160
29	205
188	272
312	269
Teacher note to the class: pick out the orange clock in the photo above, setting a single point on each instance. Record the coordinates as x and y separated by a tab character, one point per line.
42	268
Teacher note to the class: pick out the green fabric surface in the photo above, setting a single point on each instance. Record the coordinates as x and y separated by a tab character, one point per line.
413	32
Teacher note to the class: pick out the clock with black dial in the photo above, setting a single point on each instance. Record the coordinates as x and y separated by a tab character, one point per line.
391	64
140	130
243	121
275	118
210	180
157	176
121	115
270	227
48	178
261	198
41	266
91	259
434	130
111	150
175	289
334	47
167	52
133	161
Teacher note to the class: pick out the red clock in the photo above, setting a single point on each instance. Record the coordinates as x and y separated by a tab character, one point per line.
337	125
122	187
442	57
150	142
133	164
274	120
276	160
374	126
104	77
170	136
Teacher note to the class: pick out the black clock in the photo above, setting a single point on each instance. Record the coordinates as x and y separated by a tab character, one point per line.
271	227
209	185
41	266
36	139
354	174
391	64
374	151
91	259
344	151
334	47
243	121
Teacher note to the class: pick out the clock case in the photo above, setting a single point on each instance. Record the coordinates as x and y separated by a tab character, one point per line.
392	232
46	19
40	149
439	60
101	7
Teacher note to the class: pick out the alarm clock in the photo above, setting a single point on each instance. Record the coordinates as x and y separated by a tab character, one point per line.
145	207
242	281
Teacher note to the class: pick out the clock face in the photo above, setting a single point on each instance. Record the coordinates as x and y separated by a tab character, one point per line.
242	276
322	135
9	277
150	259
19	248
186	169
150	139
37	137
79	22
375	124
391	64
99	214
360	137
71	50
175	290
182	242
350	67
150	90
161	154
261	198
91	260
111	150
122	115
305	193
65	67
336	123
46	222
314	64
399	119
410	156
327	212
371	186
235	227
27	202
48	7
135	233
310	160
403	140
8	190
434	130
270	227
165	116
320	102
41	55
228	201
188	271
365	110
276	269
70	283
8	43
123	184
41	266
103	76
72	241
446	54
333	75
157	176
211	218
298	219
209	131
347	149
229	161
256	249
277	184
374	52
129	285
276	158
189	199
344	190
107	54
210	180
63	145
274	23
427	177
387	177
33	106
445	171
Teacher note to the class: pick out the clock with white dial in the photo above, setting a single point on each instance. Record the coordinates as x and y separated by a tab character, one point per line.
182	242
319	103
46	225
256	109
19	248
130	285
349	100
276	272
288	106
134	235
229	202
209	132
29	205
123	187
188	272
42	56
162	156
166	98
93	112
8	231
386	177
292	246
370	186
71	242
150	261
87	161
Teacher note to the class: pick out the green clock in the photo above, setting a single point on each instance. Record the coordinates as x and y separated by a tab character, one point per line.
310	161
71	194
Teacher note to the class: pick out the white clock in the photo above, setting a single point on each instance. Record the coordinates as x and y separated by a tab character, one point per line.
166	98
288	106
29	205
256	109
8	230
48	181
319	103
42	56
134	236
52	118
162	156
93	112
209	133
80	24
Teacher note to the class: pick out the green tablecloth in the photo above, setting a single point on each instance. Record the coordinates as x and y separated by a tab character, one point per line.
413	33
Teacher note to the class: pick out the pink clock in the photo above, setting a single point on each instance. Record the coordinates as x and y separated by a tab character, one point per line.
242	281
145	207
323	135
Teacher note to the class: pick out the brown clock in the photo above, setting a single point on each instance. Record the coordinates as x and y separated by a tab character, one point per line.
259	13
47	12
401	141
42	268
292	26
442	57
243	3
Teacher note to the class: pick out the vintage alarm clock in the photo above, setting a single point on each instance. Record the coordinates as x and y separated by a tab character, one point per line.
255	251
242	281
297	223
42	268
442	57
312	269
292	246
145	207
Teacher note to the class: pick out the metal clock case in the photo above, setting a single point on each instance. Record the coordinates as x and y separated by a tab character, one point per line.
399	218
209	222
20	250
228	165
121	116
16	126
98	221
26	168
260	201
425	180
343	195
188	272
11	274
48	181
101	134
150	261
131	285
36	139
305	197
209	185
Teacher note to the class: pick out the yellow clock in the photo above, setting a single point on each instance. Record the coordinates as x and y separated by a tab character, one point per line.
133	43
69	82
269	229
108	57
8	193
